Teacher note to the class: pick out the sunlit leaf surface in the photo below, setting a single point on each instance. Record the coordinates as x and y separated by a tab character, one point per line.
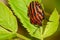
52	26
20	7
8	24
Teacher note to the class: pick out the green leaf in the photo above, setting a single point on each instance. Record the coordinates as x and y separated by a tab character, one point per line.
8	23
4	34
27	2
7	19
52	26
21	10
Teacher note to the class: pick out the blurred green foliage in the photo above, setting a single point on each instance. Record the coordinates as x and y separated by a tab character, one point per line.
49	5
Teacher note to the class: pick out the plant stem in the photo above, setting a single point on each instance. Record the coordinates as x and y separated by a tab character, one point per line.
41	33
21	36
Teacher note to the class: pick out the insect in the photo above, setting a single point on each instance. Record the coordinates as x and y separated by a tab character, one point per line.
35	13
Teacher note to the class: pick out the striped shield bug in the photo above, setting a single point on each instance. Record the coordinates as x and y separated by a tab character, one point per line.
35	13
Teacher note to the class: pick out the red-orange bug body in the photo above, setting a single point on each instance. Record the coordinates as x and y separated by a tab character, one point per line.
35	13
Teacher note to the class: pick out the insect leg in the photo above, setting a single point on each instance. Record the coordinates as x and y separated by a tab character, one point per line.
48	20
